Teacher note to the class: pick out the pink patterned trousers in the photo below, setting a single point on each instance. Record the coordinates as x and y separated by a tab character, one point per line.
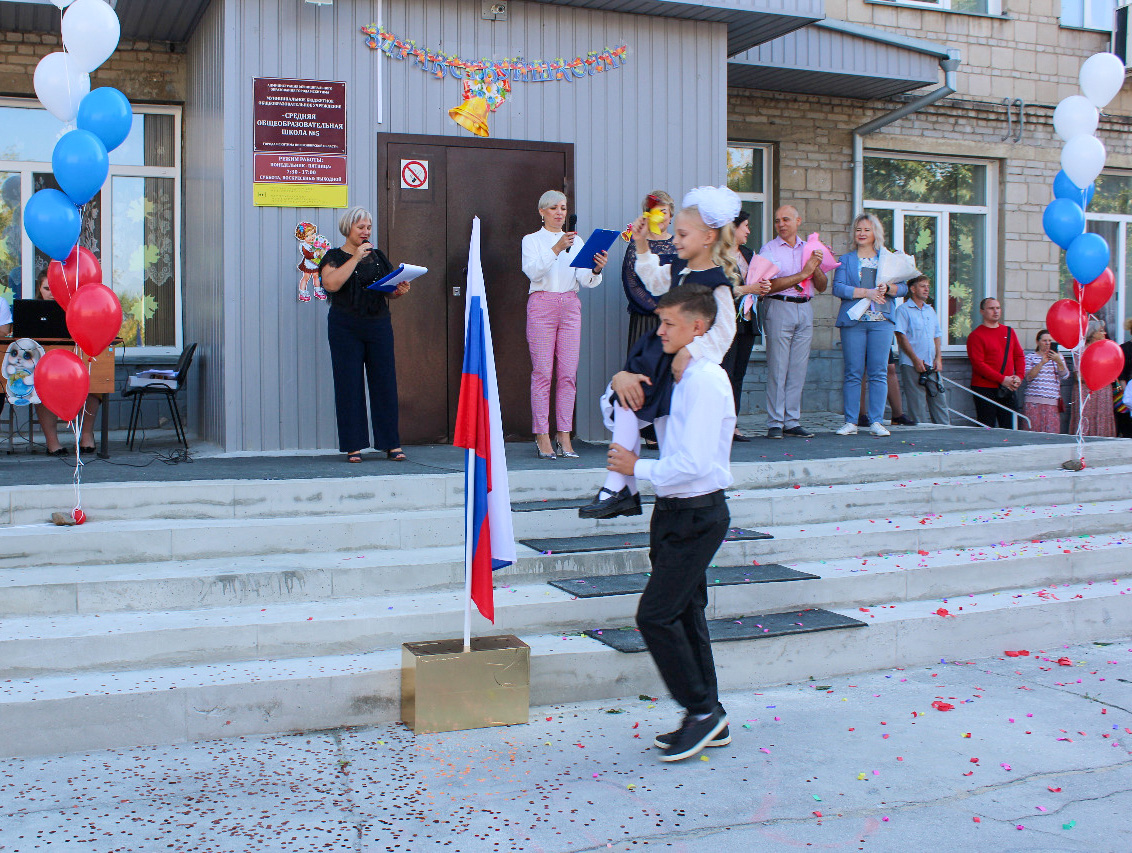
554	334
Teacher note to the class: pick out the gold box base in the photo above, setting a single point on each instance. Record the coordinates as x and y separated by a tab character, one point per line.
446	689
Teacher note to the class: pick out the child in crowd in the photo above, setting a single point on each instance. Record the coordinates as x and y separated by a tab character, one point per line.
640	394
688	523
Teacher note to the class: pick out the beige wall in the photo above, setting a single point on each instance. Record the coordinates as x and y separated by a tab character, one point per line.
143	71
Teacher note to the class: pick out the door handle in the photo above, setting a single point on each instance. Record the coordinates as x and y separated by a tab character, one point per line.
456	291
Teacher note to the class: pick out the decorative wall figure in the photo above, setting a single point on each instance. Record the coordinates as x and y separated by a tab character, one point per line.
312	246
18	369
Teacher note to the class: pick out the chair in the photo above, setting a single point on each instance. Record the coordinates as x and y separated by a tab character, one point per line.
167	387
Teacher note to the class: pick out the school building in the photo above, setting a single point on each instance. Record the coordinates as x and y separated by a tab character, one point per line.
935	114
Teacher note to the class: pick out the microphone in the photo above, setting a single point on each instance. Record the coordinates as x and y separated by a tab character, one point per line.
572	223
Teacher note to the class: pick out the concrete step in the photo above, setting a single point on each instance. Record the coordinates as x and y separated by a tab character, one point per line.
238	499
408	526
141	640
85	711
86	586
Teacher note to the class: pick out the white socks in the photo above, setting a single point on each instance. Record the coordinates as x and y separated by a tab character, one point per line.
627	433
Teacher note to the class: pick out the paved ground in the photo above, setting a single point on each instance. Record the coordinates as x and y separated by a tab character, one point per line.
162	462
1010	753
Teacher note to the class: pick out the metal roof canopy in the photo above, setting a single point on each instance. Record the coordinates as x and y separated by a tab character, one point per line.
749	22
838	59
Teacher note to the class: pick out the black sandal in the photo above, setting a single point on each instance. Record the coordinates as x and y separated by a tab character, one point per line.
356	456
397	455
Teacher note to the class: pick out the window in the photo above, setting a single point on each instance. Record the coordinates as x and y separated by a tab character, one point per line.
941	213
975	7
1088	14
132	225
748	174
1110	215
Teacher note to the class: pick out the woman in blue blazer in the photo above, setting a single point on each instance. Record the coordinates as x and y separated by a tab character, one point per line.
865	343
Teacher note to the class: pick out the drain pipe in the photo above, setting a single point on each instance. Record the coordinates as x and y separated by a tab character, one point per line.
949	67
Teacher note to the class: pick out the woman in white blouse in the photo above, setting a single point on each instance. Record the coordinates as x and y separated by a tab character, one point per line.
554	321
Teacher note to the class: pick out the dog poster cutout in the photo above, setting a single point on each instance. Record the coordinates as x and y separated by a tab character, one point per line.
18	370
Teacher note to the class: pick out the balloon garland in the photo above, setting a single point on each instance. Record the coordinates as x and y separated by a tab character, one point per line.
1086	255
53	217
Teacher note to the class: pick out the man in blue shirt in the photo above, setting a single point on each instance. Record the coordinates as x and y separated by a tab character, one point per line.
920	338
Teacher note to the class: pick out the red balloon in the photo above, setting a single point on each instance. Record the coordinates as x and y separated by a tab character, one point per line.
1101	363
62	383
64	278
1064	320
94	318
1096	293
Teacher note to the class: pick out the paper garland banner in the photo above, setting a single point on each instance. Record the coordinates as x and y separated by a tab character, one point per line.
487	82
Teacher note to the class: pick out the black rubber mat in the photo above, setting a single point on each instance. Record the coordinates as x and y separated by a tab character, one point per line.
742	628
599	585
620	541
563	503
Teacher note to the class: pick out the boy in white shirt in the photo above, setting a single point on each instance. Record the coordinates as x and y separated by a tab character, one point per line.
688	524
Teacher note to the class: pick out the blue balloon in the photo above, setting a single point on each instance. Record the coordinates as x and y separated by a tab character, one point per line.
52	222
1087	257
1063	187
80	164
1063	221
107	114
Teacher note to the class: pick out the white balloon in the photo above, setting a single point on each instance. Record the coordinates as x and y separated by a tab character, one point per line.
62	4
1075	116
1082	159
60	85
1102	77
90	32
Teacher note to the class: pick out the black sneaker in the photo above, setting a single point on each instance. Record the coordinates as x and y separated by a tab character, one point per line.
903	420
609	504
798	432
694	735
774	432
666	740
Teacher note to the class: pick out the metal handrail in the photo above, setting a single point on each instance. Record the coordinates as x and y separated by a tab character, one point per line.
1014	415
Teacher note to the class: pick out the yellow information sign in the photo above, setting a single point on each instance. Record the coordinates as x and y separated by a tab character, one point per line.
298	195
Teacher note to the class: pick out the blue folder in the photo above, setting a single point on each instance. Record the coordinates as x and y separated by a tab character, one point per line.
599	241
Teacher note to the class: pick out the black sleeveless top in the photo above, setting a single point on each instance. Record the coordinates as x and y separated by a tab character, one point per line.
353	297
648	356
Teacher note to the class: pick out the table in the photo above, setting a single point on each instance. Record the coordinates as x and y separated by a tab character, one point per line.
101	379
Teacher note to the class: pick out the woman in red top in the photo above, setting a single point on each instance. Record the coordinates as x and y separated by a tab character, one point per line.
995	374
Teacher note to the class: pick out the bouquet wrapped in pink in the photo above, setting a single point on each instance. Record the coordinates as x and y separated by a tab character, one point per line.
814	244
760	268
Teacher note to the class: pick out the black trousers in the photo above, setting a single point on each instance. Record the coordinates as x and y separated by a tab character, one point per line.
670	616
735	363
361	353
989	415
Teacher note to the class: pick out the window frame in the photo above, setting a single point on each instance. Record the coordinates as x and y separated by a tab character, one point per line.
1086	15
994	7
766	198
989	209
27	168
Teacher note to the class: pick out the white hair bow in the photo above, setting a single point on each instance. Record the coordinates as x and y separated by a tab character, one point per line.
717	205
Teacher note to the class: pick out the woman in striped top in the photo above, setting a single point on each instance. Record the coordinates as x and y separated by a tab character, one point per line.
1045	370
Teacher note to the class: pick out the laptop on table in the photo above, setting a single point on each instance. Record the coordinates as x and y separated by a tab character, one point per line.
39	319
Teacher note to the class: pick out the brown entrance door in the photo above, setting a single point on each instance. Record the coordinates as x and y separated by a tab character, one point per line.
499	181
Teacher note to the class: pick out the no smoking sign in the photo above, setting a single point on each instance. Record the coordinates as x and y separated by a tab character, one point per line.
414	174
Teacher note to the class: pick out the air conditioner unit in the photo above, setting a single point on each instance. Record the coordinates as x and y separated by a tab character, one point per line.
1120	33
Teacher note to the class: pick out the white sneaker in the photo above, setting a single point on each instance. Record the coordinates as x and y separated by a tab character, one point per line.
878	430
848	429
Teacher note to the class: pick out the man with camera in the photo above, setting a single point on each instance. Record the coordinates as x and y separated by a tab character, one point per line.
920	338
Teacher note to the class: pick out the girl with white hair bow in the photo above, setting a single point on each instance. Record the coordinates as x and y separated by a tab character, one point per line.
705	239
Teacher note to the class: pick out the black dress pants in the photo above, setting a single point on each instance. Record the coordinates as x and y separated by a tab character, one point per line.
735	363
988	415
683	537
361	353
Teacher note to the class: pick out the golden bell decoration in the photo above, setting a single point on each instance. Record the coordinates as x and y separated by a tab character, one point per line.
472	116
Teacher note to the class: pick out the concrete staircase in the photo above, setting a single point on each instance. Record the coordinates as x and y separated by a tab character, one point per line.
187	611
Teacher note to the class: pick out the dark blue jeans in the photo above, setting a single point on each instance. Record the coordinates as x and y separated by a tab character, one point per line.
361	352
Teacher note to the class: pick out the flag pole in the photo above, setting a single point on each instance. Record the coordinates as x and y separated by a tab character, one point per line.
469	540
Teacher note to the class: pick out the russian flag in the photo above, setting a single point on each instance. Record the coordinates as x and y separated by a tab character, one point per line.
479	429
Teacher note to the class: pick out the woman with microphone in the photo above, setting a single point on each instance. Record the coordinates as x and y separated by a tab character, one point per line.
554	320
361	340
